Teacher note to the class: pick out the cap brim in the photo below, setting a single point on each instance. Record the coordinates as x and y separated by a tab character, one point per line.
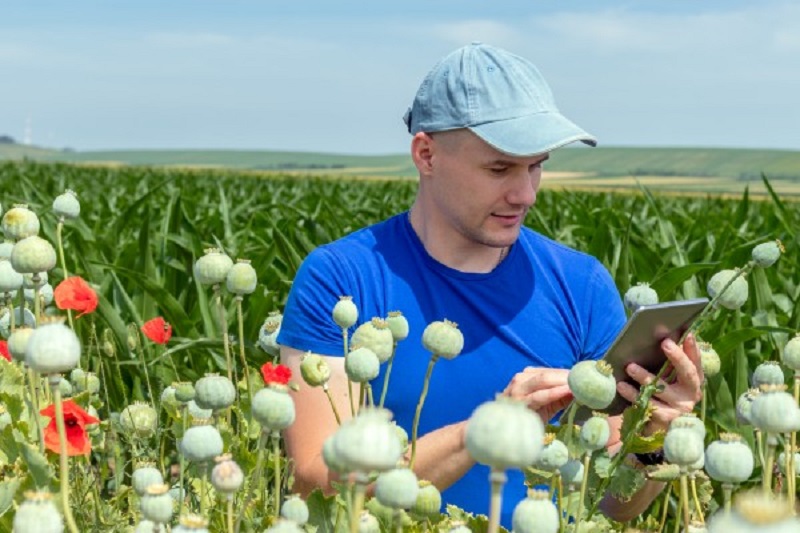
532	134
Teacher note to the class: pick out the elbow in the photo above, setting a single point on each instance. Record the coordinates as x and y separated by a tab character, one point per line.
309	477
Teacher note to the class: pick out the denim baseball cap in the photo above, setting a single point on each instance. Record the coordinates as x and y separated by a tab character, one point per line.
499	96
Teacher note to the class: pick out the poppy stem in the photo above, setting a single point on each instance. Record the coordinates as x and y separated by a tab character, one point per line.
240	320
59	228
62	446
223	324
420	403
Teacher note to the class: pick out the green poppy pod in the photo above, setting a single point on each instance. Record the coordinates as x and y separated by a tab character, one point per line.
729	460
735	295
592	384
33	255
376	336
345	312
201	443
397	488
294	508
504	433
156	504
273	408
214	392
19	222
535	514
443	338
37	513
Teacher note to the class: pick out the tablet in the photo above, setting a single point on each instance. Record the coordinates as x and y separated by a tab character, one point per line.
640	340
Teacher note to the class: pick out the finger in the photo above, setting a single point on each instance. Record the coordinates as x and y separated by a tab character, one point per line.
685	367
640	374
627	391
543	398
692	350
543	380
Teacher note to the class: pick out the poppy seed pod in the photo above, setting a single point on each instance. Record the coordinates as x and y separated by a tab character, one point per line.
29	283
284	526
191	523
376	336
10	279
398	324
535	514
554	454
397	488
184	391
691	421
345	312
202	442
20	222
443	338
774	410
640	295
592	384
572	472
756	510
768	373
791	353
709	359
45	295
226	476
156	504
683	445
314	369
744	406
139	420
144	476
33	255
428	502
504	433
241	278
361	365
268	334
22	317
729	460
214	392
736	293
37	514
66	205
295	509
212	268
368	442
767	253
595	432
273	408
52	348
196	412
5	249
18	341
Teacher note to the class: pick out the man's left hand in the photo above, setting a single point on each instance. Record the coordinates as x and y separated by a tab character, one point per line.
677	397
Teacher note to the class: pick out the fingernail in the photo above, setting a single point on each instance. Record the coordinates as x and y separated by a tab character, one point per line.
669	344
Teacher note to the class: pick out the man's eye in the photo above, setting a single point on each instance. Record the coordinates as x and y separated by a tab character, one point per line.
498	170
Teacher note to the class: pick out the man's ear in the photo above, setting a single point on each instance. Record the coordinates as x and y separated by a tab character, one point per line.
422	149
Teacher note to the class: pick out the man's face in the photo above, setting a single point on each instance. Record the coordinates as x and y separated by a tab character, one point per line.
479	192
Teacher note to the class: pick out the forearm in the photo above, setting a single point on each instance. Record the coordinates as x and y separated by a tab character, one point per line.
442	457
623	511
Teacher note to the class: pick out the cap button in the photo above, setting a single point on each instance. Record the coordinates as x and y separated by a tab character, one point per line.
476	43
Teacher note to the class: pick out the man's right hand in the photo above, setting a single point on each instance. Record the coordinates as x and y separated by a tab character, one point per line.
543	390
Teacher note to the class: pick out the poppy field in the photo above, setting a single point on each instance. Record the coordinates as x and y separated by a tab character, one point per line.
140	387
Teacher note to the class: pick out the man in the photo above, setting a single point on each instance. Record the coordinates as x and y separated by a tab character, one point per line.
483	122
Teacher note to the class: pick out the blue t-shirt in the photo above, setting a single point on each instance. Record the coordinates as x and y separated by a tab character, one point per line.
545	305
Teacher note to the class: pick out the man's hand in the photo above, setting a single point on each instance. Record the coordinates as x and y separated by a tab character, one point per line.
677	397
543	390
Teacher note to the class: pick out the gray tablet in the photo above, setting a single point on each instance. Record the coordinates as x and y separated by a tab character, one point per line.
640	340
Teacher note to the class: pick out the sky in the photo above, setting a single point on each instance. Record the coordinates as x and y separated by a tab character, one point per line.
337	75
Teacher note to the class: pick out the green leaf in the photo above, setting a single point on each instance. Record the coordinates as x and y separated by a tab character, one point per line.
322	511
38	466
626	482
8	489
641	444
666	283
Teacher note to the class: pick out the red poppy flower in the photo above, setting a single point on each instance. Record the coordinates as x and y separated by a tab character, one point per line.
276	373
74	293
157	330
4	351
75	422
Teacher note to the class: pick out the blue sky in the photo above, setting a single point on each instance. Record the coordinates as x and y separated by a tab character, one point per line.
337	76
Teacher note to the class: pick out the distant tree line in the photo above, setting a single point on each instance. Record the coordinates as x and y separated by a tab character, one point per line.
7	139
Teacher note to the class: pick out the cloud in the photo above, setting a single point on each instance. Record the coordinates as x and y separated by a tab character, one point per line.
188	40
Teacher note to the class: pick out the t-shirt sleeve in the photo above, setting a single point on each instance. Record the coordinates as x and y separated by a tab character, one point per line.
307	323
606	314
